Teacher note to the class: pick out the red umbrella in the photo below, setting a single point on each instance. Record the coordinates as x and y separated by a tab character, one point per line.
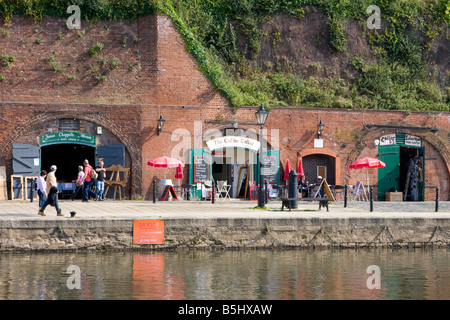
367	163
287	170
165	162
300	168
179	172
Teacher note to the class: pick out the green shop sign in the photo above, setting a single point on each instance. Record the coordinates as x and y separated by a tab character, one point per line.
67	137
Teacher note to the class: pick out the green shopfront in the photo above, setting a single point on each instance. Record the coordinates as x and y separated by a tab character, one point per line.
404	156
234	160
67	150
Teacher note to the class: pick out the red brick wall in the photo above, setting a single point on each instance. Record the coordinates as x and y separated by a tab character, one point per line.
166	81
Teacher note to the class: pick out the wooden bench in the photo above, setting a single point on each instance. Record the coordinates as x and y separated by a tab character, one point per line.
323	202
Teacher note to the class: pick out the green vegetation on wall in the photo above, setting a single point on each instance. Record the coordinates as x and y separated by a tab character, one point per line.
401	80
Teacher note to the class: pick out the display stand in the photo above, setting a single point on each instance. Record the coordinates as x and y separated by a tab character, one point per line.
327	190
166	191
359	193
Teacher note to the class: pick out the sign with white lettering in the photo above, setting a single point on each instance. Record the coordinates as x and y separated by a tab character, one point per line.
233	142
148	232
413	141
67	137
201	168
388	139
269	169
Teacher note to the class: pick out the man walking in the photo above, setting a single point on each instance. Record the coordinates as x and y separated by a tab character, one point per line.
88	182
52	193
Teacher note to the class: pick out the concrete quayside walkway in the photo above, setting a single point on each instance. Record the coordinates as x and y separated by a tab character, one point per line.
220	209
108	225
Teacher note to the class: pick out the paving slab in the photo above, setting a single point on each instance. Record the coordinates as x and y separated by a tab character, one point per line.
234	209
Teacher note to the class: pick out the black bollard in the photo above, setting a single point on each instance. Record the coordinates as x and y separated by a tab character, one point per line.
154	191
266	191
213	189
345	196
371	198
436	209
293	189
32	190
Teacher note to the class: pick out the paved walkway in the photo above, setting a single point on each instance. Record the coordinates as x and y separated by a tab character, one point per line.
229	209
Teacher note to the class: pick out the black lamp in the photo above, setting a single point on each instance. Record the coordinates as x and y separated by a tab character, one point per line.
261	117
320	127
161	121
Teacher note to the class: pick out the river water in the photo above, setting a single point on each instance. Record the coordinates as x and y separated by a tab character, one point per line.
237	275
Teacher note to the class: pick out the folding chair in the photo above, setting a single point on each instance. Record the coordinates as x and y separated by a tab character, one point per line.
223	190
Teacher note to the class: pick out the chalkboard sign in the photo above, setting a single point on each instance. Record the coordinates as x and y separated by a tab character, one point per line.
166	193
201	168
269	169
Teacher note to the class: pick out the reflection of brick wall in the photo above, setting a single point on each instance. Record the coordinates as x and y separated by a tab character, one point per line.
311	162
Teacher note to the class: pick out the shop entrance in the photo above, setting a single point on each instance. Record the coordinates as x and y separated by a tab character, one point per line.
404	157
237	168
67	158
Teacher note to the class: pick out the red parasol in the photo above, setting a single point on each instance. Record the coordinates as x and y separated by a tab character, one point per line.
165	162
179	172
367	163
287	170
300	168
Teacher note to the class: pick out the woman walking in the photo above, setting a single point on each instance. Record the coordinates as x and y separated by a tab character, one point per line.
41	188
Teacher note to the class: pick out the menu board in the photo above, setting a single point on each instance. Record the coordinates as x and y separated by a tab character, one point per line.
269	169
201	168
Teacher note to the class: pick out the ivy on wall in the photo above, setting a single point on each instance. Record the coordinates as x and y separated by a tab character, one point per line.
210	28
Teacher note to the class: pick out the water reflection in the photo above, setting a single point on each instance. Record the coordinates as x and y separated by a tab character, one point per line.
252	274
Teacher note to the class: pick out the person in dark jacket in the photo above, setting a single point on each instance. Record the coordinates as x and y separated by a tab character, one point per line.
52	197
303	187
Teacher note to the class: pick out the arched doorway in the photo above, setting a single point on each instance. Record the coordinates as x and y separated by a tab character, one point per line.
322	163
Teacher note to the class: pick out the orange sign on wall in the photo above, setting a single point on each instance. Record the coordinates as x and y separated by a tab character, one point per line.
148	232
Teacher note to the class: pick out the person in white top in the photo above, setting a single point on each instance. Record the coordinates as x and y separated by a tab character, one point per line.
41	188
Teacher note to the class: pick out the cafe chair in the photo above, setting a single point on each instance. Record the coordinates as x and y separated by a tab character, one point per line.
207	190
223	190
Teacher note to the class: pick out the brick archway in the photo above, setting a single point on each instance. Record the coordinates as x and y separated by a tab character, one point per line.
436	142
326	152
130	143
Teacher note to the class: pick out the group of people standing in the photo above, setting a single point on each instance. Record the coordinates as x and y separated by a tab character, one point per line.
86	179
47	186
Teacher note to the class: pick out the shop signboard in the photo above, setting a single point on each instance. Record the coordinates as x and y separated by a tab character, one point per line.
388	139
67	137
233	142
412	141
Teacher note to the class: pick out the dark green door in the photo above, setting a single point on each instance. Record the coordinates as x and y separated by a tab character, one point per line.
388	177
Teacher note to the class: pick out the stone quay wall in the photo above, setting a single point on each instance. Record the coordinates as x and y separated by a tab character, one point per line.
223	233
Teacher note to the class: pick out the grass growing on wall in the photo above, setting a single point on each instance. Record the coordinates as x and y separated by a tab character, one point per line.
402	80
